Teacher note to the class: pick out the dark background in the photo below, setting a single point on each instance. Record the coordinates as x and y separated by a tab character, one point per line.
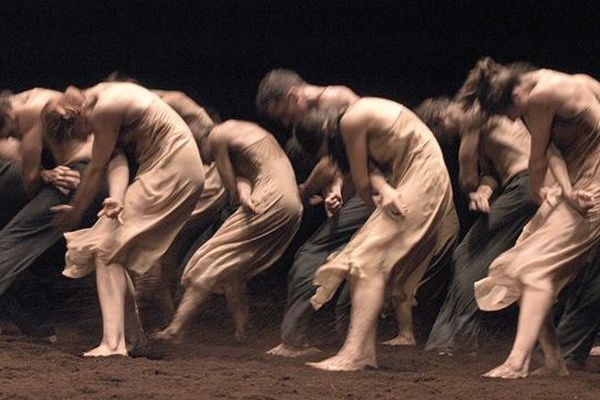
217	50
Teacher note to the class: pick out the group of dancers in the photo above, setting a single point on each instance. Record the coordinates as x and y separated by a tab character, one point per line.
136	178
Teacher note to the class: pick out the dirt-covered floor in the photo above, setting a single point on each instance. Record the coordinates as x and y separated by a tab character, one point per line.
209	365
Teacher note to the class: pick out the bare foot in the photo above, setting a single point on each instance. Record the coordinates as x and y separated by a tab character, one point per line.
169	335
507	371
554	369
241	336
293	352
343	363
595	352
401	340
105	351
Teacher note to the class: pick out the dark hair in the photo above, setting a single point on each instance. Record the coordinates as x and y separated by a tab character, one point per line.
274	87
5	105
310	135
118	76
431	111
491	84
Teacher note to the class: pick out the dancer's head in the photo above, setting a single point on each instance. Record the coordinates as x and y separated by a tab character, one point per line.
496	87
280	96
8	125
443	116
64	119
319	133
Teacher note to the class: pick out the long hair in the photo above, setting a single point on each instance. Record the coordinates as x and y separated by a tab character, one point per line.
491	85
319	126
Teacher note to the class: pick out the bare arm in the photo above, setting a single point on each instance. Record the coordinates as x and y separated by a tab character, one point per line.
31	159
118	180
539	122
468	155
322	175
118	177
220	150
355	140
106	126
10	149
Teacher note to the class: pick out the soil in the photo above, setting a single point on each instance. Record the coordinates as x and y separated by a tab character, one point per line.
209	365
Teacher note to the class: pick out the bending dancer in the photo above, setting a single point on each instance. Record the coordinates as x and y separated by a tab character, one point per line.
562	114
403	232
30	232
256	173
153	287
500	149
284	96
143	218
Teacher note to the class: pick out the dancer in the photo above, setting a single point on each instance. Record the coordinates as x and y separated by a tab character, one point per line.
147	215
158	284
562	113
500	147
284	96
403	232
256	173
30	232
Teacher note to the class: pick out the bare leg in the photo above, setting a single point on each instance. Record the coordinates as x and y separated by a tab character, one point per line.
236	294
112	287
554	363
535	306
595	352
358	351
191	301
134	333
406	336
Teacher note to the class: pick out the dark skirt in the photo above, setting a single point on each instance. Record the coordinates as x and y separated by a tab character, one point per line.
457	326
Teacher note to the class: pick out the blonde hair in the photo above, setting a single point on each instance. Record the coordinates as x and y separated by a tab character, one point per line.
59	120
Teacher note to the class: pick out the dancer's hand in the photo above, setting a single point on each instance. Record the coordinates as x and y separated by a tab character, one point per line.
479	200
333	202
63	177
580	200
65	217
248	205
112	208
392	202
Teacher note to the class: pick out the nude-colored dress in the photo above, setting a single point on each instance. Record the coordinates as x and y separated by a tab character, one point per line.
157	203
404	245
248	244
553	244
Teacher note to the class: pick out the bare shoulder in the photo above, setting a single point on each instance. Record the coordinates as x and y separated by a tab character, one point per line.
124	100
342	92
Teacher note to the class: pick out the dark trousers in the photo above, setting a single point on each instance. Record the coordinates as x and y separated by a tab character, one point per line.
457	326
580	318
331	236
12	192
28	235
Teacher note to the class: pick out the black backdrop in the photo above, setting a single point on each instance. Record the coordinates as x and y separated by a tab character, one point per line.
217	50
